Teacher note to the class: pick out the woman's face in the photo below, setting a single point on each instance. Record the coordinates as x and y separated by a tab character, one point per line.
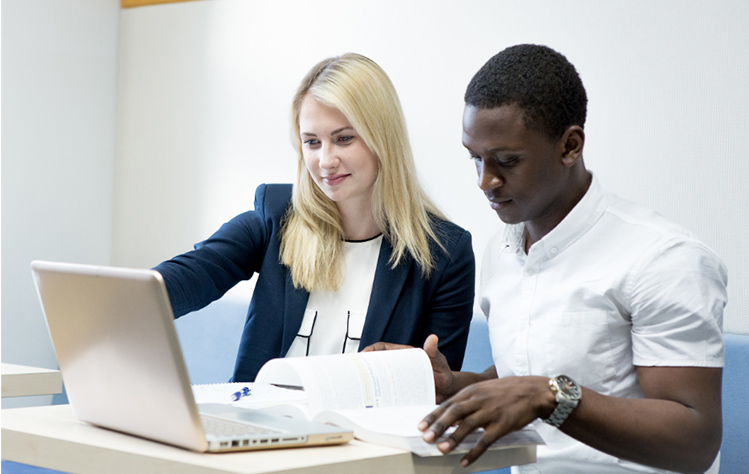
335	155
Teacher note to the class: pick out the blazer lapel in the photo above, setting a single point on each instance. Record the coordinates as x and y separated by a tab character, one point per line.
295	304
386	289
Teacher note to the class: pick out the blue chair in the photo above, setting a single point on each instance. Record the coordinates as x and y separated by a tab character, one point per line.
210	339
16	468
733	452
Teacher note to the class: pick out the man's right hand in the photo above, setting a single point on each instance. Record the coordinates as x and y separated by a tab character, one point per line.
444	378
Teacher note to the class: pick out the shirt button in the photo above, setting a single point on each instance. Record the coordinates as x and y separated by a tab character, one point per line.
554	250
530	271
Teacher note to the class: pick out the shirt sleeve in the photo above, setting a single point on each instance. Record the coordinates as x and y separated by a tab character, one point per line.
678	293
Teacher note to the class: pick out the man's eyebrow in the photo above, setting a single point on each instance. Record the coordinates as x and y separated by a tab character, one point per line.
499	149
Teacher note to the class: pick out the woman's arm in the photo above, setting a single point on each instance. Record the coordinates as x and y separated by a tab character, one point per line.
232	254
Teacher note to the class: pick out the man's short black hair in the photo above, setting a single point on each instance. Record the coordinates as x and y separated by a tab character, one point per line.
539	80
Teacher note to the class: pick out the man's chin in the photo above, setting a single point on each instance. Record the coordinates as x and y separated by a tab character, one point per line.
508	218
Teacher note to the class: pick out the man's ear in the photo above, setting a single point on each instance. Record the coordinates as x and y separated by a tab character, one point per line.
572	141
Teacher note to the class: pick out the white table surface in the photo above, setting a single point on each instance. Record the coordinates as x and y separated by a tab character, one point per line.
51	437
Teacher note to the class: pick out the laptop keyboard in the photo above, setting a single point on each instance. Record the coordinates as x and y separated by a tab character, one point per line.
222	427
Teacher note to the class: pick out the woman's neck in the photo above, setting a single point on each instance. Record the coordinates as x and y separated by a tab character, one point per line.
358	221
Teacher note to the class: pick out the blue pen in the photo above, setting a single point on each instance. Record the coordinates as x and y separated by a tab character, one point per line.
237	395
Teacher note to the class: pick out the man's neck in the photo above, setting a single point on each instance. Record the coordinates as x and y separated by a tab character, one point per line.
535	231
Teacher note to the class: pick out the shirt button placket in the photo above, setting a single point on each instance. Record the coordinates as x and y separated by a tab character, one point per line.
526	303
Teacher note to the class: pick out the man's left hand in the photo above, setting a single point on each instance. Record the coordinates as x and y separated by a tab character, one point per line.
500	406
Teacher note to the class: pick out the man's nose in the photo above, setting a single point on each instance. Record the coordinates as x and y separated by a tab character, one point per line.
488	179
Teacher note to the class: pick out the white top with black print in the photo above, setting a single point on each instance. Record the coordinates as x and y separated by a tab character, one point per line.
333	320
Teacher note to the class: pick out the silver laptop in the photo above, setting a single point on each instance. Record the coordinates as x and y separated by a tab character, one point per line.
121	362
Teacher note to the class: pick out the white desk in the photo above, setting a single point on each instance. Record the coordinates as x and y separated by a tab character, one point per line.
21	380
51	437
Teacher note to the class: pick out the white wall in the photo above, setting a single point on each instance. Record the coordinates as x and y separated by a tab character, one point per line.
59	73
205	90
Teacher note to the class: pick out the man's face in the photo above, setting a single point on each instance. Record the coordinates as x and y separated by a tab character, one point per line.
520	170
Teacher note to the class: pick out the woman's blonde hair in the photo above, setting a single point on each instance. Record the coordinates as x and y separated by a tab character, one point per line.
312	236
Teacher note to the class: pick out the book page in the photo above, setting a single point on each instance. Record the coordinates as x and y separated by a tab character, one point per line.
361	380
397	427
397	421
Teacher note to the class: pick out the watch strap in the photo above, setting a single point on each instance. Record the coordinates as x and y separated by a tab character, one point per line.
561	412
566	403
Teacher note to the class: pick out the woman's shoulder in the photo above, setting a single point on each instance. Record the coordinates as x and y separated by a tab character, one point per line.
274	191
449	233
444	225
273	197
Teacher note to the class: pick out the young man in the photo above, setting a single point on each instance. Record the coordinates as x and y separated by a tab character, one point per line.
604	318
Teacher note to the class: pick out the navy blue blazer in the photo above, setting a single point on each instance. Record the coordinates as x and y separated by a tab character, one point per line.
404	308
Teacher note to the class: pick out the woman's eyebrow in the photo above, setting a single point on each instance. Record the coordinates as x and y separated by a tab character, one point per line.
334	132
341	129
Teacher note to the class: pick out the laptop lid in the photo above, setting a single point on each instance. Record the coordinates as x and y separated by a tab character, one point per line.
113	333
114	337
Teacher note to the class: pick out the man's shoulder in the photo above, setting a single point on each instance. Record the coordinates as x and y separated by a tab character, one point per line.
635	229
638	219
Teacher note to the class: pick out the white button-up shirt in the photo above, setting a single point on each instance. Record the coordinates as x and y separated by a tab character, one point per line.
613	286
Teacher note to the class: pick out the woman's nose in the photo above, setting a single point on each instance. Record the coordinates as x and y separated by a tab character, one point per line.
329	157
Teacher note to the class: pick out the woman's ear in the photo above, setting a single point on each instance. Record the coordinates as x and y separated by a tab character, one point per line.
573	141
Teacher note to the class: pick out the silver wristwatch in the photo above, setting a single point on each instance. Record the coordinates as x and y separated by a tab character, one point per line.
567	393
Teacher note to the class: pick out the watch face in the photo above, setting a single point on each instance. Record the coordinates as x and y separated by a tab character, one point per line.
568	387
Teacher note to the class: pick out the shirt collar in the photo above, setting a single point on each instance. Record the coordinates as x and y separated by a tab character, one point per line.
574	225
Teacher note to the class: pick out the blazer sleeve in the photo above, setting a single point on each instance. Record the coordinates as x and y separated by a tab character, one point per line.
232	254
448	313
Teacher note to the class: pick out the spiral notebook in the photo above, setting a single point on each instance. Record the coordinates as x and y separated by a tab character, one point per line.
122	365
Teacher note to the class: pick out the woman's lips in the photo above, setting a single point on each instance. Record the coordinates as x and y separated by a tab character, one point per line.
335	179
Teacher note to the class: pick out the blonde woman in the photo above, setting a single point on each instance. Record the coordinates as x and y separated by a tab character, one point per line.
353	252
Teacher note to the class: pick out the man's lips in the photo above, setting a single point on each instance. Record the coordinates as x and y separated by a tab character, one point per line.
334	179
498	204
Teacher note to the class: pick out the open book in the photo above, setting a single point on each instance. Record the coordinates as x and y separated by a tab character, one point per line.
381	396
